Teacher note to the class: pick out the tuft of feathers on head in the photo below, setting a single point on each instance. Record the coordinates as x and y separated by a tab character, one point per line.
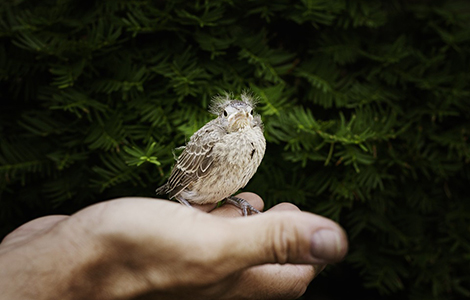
220	102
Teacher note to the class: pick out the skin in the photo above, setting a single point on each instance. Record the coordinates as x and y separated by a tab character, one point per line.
139	248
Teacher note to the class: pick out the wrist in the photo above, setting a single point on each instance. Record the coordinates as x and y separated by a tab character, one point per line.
46	265
34	269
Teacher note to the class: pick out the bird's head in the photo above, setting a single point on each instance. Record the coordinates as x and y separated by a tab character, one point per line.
236	115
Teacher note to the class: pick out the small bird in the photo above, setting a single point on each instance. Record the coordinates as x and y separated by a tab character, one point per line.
221	157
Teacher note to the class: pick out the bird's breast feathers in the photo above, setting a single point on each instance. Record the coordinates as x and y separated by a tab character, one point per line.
236	157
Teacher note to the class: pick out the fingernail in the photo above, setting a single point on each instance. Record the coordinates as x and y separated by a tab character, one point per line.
326	245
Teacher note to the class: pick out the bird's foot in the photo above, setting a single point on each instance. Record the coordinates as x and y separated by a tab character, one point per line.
242	204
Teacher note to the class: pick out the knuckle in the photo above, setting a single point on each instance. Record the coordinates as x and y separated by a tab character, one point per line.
284	242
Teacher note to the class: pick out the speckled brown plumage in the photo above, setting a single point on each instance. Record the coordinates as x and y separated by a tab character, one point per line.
221	157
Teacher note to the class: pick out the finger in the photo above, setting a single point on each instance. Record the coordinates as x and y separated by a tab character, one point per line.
274	281
284	206
228	210
285	237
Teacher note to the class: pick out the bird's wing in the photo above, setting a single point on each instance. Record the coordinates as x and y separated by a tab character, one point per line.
196	159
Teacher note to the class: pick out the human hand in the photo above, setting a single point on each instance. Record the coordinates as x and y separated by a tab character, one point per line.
137	248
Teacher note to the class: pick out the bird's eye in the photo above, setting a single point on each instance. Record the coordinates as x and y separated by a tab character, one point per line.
251	112
225	113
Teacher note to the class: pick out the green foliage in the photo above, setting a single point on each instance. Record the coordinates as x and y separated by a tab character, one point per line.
365	104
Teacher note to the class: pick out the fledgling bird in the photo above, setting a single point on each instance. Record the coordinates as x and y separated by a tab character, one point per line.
221	157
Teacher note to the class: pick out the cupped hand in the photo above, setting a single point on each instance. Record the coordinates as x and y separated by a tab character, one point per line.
140	248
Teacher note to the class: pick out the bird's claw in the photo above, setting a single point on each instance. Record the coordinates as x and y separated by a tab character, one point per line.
242	204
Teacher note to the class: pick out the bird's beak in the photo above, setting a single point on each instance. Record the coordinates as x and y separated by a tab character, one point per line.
240	120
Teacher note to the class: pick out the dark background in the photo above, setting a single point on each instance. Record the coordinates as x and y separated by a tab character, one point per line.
365	104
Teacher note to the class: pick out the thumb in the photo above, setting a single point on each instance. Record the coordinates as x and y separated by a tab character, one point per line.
286	237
